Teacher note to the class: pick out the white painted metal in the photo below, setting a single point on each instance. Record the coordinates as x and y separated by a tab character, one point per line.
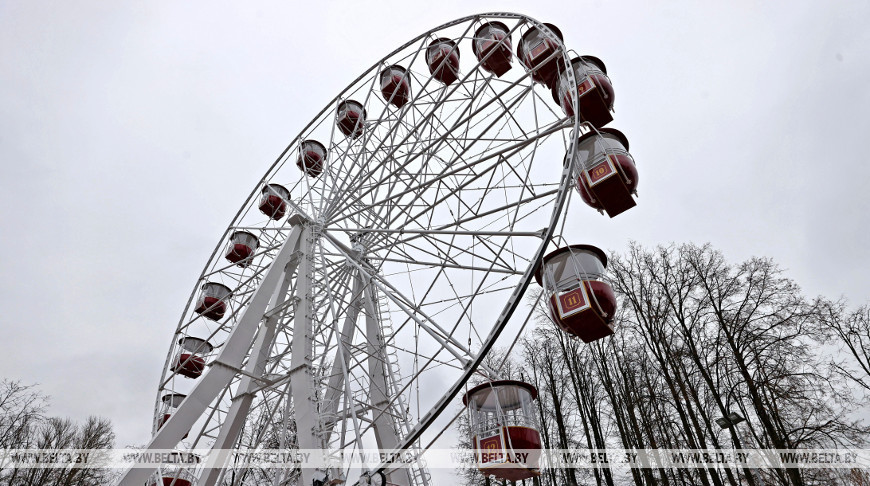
443	201
254	368
223	369
308	426
379	385
334	388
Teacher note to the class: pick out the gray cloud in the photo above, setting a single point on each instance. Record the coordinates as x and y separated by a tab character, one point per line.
129	136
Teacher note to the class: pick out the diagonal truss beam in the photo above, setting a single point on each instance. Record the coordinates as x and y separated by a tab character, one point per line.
223	369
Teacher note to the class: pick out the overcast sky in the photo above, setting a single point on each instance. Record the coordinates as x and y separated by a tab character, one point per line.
130	134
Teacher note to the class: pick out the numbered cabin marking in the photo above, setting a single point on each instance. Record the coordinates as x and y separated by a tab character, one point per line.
600	172
491	449
537	51
573	302
585	87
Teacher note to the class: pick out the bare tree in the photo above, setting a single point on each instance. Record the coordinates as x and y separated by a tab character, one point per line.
852	331
698	339
21	411
24	426
21	408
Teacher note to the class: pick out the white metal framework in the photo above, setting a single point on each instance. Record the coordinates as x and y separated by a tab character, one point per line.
359	317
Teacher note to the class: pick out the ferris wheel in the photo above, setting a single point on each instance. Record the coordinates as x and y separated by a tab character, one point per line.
367	276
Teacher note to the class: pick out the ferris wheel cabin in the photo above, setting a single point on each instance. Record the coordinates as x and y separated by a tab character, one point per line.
541	54
241	248
581	302
273	201
191	357
396	85
176	477
350	118
212	300
593	88
312	157
442	57
179	470
169	403
492	47
504	429
605	172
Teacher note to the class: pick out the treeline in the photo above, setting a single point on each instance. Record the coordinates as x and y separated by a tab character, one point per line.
24	425
699	339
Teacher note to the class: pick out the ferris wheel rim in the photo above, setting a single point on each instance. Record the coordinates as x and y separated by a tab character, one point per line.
519	290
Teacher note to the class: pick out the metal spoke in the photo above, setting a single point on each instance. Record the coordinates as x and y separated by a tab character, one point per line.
417	235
